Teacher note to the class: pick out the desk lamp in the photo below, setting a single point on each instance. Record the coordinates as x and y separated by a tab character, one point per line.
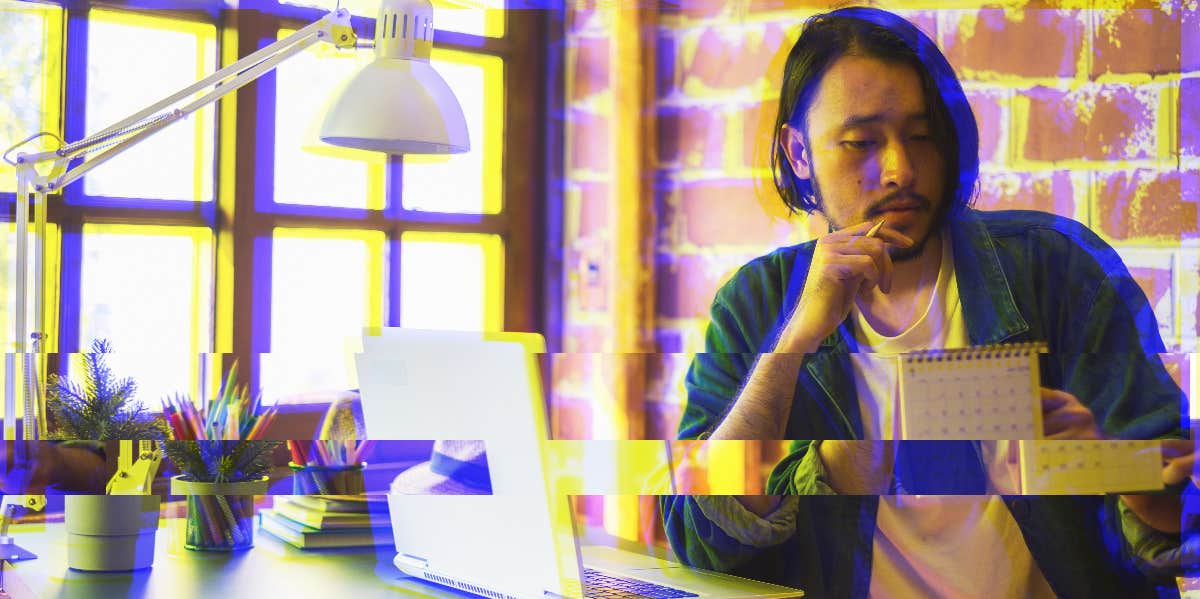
397	104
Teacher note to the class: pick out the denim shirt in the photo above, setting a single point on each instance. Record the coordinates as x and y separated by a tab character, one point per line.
1022	276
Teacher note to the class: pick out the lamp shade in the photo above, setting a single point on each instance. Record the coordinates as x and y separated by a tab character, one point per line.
398	103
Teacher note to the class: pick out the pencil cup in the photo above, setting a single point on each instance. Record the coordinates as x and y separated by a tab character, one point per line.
220	516
327	480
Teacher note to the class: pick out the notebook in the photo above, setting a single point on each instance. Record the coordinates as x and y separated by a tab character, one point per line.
308	537
992	393
329	519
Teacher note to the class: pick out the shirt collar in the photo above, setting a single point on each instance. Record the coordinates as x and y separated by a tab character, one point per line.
988	305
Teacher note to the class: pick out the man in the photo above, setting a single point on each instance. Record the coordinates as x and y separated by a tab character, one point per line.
875	133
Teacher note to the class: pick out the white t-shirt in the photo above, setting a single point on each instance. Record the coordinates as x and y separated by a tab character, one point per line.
939	545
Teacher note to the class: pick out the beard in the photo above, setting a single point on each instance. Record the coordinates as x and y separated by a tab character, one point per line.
897	254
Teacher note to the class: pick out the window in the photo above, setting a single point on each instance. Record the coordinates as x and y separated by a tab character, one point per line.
234	231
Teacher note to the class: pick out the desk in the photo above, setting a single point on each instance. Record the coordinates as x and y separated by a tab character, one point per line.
272	569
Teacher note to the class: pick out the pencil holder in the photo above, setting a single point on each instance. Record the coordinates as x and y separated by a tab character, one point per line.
220	516
327	480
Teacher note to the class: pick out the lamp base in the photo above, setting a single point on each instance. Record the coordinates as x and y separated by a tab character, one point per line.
13	553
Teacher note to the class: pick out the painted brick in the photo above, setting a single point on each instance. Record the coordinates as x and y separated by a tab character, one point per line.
1135	41
665	372
685	286
668	340
666	69
733	57
570	369
1178	368
1097	122
758	124
589	140
692	137
584	338
707	9
1143	205
669	221
926	21
1026	43
992	121
588	509
583	16
594	202
691	477
588	268
1155	273
589	70
1046	191
1189	53
571	418
662	419
728	212
1189	117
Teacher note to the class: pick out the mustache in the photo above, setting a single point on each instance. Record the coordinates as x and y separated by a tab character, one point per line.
899	196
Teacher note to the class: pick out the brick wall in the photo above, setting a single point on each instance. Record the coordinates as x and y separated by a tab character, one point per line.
1091	114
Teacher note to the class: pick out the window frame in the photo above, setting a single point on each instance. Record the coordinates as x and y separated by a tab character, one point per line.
241	297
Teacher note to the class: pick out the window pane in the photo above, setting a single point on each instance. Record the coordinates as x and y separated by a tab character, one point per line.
306	170
148	291
451	281
29	78
324	290
470	182
473	17
134	61
8	281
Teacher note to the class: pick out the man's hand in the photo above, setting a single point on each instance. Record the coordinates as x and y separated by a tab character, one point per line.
845	263
1179	461
1065	418
1165	512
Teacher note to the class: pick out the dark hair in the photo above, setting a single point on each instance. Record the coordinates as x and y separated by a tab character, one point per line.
877	34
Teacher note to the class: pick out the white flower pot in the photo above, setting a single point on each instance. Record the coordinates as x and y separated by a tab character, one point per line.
111	533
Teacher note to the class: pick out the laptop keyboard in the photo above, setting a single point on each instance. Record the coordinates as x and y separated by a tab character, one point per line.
598	585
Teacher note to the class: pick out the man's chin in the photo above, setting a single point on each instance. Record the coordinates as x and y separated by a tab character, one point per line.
899	254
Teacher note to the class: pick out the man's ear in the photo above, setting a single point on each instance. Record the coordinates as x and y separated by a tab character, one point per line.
796	151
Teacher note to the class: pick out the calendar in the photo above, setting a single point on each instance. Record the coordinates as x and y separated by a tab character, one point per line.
1052	467
978	393
993	393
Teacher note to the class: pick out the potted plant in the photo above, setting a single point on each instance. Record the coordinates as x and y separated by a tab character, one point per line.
104	532
223	464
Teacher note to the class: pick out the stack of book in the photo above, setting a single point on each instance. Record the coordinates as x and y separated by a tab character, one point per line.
318	521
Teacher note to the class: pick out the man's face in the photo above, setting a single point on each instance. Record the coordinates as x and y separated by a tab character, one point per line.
869	151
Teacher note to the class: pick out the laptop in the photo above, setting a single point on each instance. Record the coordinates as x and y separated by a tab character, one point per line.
519	542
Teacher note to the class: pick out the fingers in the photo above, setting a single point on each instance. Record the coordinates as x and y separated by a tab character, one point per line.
869	247
1173	448
1052	399
892	237
1179	460
1065	417
1178	469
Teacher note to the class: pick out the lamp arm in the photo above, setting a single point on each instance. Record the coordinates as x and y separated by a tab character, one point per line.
135	477
333	28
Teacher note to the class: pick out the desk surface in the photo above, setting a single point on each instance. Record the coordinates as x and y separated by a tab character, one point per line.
272	569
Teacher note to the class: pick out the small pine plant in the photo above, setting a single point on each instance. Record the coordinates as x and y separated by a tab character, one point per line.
221	461
102	407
